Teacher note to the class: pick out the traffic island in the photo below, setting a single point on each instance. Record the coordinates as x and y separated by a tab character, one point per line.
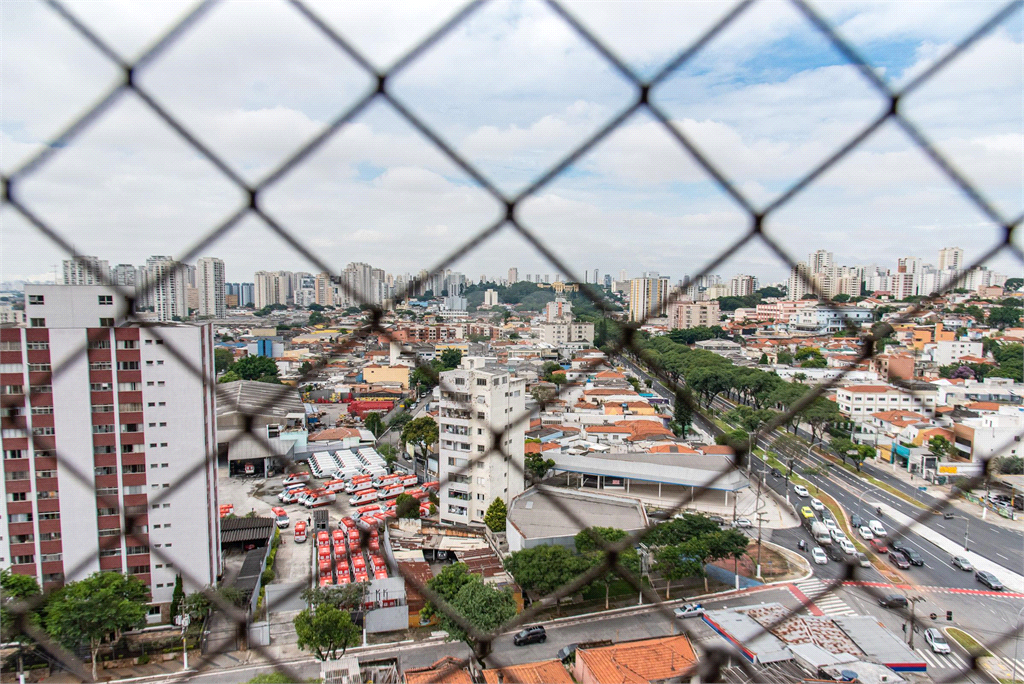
992	666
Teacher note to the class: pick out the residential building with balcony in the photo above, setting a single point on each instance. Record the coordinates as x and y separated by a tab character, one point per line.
108	437
481	426
859	402
683	314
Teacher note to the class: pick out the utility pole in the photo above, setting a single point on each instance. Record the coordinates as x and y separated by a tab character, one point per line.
183	619
760	519
967	531
913	617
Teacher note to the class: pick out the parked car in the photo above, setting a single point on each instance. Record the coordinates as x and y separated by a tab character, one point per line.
899	560
934	638
879	545
530	635
817	505
819	556
865	533
988	579
962	563
743	522
893	601
863	560
856	521
689	610
801	491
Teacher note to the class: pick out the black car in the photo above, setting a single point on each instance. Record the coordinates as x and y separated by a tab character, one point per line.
897	544
530	635
834	554
776	473
899	560
856	522
989	580
913	556
893	601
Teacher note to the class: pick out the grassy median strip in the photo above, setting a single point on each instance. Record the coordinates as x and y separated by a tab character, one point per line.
968	642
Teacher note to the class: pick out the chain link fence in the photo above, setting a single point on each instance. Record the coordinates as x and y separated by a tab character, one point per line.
713	657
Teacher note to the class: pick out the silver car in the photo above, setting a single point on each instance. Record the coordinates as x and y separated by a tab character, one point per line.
934	638
962	563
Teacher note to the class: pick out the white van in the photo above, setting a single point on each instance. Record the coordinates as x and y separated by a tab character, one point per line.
877	529
363	496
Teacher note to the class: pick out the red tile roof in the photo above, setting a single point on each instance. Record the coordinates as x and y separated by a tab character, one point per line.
861	389
447	670
640	662
983	406
331	434
716	449
543	672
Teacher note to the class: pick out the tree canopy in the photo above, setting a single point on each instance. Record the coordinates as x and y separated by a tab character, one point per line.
324	630
495	516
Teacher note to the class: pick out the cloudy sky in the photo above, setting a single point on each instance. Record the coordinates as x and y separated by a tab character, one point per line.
514	90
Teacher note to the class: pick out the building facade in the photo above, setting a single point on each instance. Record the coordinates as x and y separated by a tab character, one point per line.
210	283
648	297
114	455
685	314
84	270
478	402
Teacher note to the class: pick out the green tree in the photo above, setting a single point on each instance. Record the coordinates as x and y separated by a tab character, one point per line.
587	545
14	588
325	631
317	318
806	353
230	376
483	606
1010	465
451	359
222	359
545	568
680	561
815	362
1013	284
407	506
177	595
389	452
92	609
763	361
495	516
446	584
940	447
345	597
1004	316
680	529
682	416
421	433
820	414
197	606
254	367
784	357
537	466
271	678
374	423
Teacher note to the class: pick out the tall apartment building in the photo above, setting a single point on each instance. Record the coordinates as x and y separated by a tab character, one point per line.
797	285
819	261
477	402
951	258
324	287
513	276
272	287
161	287
246	294
683	314
648	296
742	285
84	270
210	283
124	431
125	275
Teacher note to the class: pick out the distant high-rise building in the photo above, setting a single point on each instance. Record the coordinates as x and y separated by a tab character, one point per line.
85	270
820	261
124	275
595	280
951	258
513	275
742	285
324	289
272	287
490	298
607	281
246	294
648	297
623	276
798	286
162	286
210	283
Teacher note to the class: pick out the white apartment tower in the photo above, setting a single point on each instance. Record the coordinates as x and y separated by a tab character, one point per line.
513	276
797	286
111	462
819	261
742	285
124	275
479	401
210	283
161	287
84	270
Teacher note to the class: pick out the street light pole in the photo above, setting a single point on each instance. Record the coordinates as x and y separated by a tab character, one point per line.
967	531
1016	643
760	519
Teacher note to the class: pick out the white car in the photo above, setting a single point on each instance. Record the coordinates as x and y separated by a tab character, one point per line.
865	533
837	534
847	546
817	505
935	639
689	610
801	491
831	524
743	522
819	556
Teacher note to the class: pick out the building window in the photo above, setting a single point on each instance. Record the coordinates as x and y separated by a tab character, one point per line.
127	344
99	344
38	368
40	389
13	389
50	557
37	346
49	536
10	346
23	538
101	387
53	577
21	517
106	511
106	300
51	494
102	429
100	366
138	570
24	560
136	550
105	553
106	322
42	410
36	299
113	532
103	408
14	453
106	491
42	431
137	468
44	474
10	368
129	386
16	475
127	365
105	470
37	322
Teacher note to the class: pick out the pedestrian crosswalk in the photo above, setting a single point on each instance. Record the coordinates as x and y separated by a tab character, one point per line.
830	604
940	661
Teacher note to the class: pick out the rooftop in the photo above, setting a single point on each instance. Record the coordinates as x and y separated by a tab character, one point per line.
542	672
535	515
447	670
640	662
257	398
714	470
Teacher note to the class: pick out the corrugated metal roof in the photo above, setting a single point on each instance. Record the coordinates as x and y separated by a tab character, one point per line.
245	529
748	636
880	644
713	471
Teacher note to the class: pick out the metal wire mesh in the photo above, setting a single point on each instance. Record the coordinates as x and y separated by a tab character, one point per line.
713	658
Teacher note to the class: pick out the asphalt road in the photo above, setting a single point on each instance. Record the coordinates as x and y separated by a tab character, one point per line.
998	544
